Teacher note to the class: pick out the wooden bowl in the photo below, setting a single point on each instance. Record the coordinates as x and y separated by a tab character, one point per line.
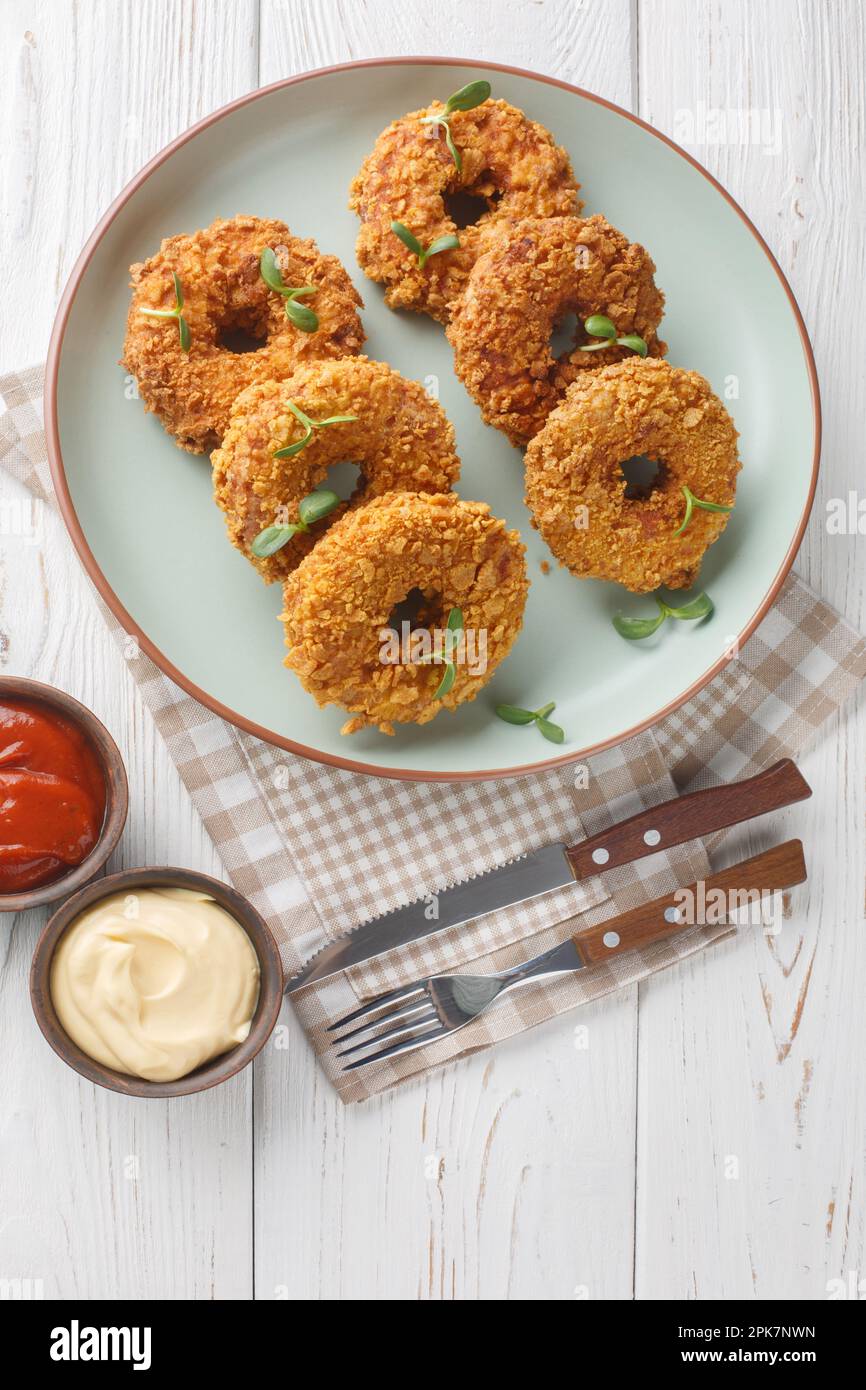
219	1068
116	791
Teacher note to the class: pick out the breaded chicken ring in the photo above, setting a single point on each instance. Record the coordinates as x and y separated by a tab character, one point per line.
400	438
535	274
340	600
580	501
223	293
507	160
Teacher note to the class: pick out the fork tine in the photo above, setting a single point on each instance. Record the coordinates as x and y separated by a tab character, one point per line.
374	1004
402	1028
391	1017
392	1051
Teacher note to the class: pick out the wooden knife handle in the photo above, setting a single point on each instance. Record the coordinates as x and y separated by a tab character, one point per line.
688	817
775	869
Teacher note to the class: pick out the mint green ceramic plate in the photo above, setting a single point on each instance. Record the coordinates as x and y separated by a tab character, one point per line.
140	511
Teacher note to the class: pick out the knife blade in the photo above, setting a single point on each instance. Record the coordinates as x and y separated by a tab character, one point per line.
514	882
556	866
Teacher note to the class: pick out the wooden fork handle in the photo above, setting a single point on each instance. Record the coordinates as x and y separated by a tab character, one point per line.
775	869
688	817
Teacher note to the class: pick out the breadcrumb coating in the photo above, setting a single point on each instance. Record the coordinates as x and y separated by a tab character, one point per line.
340	600
534	275
223	292
580	500
401	439
509	161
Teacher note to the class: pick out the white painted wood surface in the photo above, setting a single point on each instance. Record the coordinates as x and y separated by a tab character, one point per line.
709	1140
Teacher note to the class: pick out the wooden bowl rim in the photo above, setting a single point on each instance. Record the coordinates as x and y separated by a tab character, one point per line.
116	790
212	1073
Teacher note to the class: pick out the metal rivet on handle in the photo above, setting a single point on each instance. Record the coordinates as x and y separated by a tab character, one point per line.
652	837
672	914
600	856
611	939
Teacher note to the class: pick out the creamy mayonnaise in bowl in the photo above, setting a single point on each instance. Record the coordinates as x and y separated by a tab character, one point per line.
154	982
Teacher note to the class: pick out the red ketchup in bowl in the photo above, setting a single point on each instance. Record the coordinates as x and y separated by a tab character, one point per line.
52	795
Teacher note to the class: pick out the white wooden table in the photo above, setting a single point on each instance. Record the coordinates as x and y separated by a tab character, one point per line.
709	1140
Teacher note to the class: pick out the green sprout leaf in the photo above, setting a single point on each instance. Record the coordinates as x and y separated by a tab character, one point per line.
448	677
453	629
700	607
272	539
452	148
289	450
692	502
317	506
407	238
310	510
175	313
442	243
302	316
635	343
455	621
298	314
552	732
513	714
473	94
599	326
270	271
635	629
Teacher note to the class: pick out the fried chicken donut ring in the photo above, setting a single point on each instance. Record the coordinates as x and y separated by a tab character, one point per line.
340	599
507	159
534	275
401	439
577	493
223	292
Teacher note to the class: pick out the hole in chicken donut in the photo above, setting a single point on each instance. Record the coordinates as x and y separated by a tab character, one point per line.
563	339
346	479
419	610
643	476
238	340
466	208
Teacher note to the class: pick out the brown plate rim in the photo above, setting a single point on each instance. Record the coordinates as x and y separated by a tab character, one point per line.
87	558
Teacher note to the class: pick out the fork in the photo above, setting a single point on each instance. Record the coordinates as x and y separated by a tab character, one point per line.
440	1005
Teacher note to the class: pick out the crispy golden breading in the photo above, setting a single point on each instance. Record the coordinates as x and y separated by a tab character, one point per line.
576	491
535	274
340	600
223	292
401	440
510	162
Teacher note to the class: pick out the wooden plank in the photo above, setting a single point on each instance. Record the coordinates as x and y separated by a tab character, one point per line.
506	1175
752	1126
510	1174
587	42
104	1196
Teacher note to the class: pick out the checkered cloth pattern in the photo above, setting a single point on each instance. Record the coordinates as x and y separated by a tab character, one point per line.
319	850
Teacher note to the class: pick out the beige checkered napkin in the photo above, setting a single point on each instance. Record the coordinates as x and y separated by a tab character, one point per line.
319	850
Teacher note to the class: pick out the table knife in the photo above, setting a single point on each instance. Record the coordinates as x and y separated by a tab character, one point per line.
556	866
